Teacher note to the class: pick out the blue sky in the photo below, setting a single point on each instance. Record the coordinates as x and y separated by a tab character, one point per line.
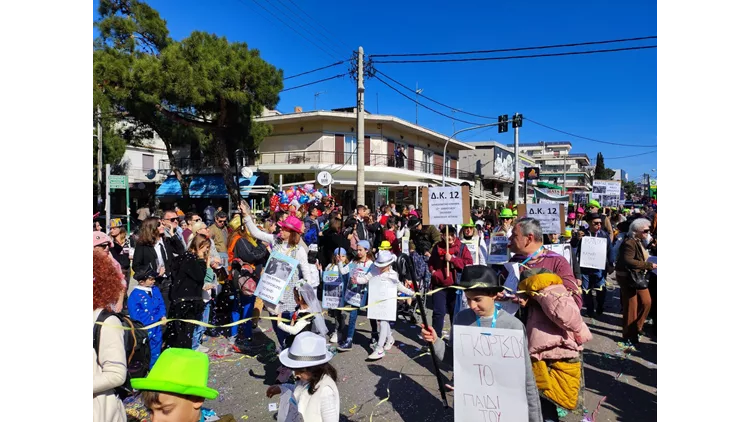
609	96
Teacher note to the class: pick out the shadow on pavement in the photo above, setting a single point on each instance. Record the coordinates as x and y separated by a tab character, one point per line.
403	390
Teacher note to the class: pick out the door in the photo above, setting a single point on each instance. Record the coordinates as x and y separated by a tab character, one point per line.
350	149
428	160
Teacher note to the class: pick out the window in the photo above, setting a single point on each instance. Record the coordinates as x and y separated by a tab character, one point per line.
428	159
447	166
148	162
350	148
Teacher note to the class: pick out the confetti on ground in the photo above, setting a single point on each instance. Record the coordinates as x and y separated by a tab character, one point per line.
360	324
561	413
244	417
353	410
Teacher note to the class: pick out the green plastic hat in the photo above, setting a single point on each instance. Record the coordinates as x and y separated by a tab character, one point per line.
594	203
515	213
180	371
469	224
507	213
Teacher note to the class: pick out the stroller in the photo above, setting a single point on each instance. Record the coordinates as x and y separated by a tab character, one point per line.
404	266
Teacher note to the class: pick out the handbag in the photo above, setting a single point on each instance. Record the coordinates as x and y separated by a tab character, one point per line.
637	279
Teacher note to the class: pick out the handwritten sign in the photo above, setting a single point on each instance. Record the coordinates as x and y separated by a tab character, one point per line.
594	252
489	366
550	216
473	247
381	300
498	249
275	278
445	205
333	289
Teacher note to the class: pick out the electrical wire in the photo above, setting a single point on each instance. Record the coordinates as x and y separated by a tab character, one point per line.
628	156
288	26
501	50
314	70
588	139
435	101
318	25
313	83
422	105
304	27
530	56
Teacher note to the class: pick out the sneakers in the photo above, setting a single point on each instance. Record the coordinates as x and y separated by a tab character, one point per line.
345	346
203	349
389	343
377	354
335	338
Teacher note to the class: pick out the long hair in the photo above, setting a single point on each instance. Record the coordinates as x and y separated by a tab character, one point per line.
148	235
317	373
107	282
336	225
198	242
294	238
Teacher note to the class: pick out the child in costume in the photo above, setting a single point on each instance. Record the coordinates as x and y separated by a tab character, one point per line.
146	305
307	303
177	387
483	292
339	256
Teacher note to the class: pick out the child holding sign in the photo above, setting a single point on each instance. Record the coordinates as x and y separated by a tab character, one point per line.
483	289
339	258
356	290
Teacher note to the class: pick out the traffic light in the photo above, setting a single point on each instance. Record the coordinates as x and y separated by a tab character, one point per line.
502	127
517	121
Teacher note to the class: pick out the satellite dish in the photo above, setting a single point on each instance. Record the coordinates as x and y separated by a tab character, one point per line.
246	172
151	174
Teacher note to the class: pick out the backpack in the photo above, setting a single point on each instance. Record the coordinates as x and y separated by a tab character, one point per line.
245	278
137	350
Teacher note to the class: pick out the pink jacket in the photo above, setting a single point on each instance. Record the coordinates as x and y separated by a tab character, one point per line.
554	325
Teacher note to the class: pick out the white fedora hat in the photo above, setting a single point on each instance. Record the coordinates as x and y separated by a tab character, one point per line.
385	258
308	349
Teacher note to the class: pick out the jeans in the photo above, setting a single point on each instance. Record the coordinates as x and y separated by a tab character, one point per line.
353	325
281	335
248	306
199	329
442	302
235	313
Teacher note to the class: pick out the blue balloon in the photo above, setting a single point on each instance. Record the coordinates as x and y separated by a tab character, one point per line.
303	199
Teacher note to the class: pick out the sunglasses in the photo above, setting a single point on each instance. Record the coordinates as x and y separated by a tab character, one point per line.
103	246
197	220
596	223
172	219
646	231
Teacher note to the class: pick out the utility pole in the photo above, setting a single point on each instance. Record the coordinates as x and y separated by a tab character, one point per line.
108	202
99	154
360	128
515	159
565	173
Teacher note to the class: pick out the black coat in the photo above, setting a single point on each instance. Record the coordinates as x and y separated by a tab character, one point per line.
328	243
188	274
145	256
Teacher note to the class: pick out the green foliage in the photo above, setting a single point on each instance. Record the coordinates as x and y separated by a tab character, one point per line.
201	91
630	189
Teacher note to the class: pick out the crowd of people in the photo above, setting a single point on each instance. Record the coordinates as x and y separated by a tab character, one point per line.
207	268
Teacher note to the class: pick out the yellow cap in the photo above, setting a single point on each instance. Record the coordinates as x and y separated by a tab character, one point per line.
568	233
235	223
385	245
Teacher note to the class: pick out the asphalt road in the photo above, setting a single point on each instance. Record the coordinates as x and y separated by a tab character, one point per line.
627	382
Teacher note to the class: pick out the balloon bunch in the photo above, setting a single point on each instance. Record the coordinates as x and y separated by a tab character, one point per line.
296	198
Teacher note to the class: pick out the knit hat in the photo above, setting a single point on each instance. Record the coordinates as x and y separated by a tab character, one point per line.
340	251
180	371
507	213
101	238
364	244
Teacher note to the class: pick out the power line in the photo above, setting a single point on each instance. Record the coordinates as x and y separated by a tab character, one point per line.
588	139
313	83
288	26
628	156
323	32
543	47
436	101
530	56
422	105
314	70
301	26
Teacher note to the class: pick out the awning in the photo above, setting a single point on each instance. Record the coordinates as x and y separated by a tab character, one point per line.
209	186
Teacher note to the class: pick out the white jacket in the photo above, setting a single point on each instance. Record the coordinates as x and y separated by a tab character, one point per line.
109	372
323	406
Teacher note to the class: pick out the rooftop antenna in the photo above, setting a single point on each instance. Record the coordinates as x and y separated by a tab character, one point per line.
316	98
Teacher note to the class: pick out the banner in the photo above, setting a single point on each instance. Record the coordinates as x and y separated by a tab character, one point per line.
607	192
550	216
546	197
276	276
594	252
384	291
498	249
333	289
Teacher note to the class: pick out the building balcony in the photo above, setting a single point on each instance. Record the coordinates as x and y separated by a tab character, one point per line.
301	160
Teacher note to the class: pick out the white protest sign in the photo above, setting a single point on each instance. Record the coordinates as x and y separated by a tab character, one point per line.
275	278
498	249
354	291
473	247
561	249
550	216
333	289
445	205
489	366
511	285
384	291
405	242
594	252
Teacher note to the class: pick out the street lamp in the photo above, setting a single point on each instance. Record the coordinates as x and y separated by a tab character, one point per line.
445	147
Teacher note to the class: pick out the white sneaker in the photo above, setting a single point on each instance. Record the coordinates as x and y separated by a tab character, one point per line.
377	354
335	338
203	349
389	343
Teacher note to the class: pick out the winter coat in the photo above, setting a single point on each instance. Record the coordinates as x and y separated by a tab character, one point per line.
110	370
632	257
461	257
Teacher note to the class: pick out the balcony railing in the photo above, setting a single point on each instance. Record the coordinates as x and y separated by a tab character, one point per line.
377	160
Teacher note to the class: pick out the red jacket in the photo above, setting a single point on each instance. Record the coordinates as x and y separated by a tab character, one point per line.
461	257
